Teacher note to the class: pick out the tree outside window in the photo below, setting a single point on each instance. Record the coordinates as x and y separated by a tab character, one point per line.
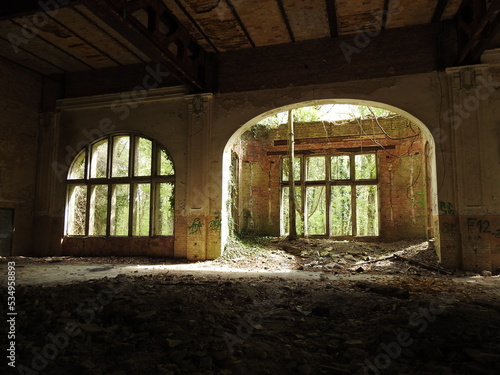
336	195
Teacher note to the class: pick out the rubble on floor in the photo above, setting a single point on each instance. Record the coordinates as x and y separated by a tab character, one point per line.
165	324
325	255
401	318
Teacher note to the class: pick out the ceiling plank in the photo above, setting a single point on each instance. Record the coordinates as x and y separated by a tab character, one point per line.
21	8
272	31
152	28
196	25
96	37
332	18
63	19
58	35
440	8
40	47
84	11
27	59
308	19
218	21
242	26
480	27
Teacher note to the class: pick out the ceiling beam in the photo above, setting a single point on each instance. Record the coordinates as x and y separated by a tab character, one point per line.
22	8
286	20
152	28
240	22
385	14
332	18
193	21
439	11
331	60
477	24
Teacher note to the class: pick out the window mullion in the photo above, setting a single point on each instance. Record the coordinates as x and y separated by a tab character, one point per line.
87	186
131	209
153	199
131	169
152	205
328	194
354	220
108	216
87	209
303	194
131	164
109	156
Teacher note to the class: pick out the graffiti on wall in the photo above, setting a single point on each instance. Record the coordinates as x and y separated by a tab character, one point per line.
216	223
446	208
480	226
195	227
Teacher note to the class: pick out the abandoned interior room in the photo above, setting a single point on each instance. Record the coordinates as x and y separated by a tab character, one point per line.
243	187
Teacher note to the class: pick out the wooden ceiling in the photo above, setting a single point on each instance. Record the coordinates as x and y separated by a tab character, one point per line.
76	36
72	39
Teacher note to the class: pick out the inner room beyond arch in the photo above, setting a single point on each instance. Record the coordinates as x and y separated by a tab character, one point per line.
361	173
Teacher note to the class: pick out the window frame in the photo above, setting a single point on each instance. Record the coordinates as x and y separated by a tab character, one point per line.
328	182
88	182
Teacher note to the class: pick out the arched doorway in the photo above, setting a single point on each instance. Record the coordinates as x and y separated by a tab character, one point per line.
421	197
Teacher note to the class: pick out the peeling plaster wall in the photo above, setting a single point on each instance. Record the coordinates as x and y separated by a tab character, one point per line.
19	105
198	131
79	122
470	213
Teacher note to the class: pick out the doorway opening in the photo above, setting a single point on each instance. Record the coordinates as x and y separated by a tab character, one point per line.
361	171
6	231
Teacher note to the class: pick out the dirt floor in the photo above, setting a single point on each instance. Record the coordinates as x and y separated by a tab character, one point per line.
266	307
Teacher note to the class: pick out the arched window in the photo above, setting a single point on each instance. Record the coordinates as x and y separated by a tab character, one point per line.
122	185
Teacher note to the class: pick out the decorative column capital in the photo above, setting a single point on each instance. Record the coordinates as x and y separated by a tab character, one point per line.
465	78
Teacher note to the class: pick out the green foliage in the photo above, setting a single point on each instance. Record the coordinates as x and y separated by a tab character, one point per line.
307	114
304	114
340	200
362	111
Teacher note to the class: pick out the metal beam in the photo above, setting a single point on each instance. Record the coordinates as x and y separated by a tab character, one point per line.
385	14
439	11
193	21
153	29
240	22
477	24
332	18
286	20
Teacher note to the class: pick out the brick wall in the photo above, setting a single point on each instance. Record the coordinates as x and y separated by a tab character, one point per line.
401	172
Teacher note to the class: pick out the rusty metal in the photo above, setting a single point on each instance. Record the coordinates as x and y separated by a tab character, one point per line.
332	18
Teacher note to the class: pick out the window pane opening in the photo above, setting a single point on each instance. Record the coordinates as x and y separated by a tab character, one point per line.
113	191
99	161
121	153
